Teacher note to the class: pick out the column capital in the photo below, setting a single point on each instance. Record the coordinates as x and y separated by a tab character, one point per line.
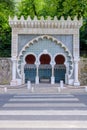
77	59
76	80
13	59
37	64
52	63
37	75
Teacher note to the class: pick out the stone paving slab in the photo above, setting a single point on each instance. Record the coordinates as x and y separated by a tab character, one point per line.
41	88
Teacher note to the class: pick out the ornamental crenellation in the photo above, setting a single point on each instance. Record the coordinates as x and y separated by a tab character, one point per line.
45	23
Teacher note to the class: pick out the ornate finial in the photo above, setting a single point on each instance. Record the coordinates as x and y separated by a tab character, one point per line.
81	19
35	18
55	18
75	18
22	18
69	18
42	18
45	51
62	18
48	18
10	18
29	18
15	18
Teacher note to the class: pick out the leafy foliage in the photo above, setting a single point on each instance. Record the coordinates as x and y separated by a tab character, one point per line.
83	38
73	8
53	8
6	9
46	7
25	8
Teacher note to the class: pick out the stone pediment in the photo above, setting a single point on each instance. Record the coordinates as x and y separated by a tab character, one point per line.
45	23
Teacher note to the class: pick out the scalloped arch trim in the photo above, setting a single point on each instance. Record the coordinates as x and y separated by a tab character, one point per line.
35	40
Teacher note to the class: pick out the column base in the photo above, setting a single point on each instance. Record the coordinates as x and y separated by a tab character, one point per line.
37	80
23	79
52	80
15	82
76	83
70	81
66	79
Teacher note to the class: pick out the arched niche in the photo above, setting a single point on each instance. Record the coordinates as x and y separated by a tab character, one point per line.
30	59
45	69
59	68
30	68
59	59
45	59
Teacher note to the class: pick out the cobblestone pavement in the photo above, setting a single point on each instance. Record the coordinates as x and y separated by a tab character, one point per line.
44	108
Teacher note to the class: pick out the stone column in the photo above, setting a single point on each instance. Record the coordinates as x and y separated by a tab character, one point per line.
14	82
76	81
52	77
76	44
14	70
22	73
14	43
76	56
14	50
37	75
67	74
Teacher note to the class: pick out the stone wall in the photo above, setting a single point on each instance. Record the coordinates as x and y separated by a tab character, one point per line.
83	71
6	65
5	70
